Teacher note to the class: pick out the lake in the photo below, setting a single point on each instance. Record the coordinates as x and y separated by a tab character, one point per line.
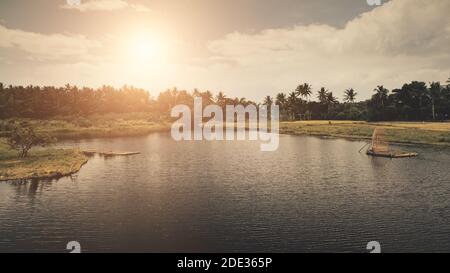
311	195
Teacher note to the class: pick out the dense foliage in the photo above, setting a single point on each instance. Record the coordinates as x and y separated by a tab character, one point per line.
413	101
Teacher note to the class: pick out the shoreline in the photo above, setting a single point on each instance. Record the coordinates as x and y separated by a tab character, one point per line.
397	133
368	139
140	124
48	177
54	163
112	133
118	134
45	164
405	133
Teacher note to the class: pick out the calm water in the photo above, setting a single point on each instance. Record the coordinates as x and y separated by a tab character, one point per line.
312	195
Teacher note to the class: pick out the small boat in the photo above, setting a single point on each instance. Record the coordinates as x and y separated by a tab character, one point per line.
380	147
392	154
108	154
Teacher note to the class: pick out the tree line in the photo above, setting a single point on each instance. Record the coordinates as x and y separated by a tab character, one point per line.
412	102
415	101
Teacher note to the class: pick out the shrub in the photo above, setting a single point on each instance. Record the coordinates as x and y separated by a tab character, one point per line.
23	137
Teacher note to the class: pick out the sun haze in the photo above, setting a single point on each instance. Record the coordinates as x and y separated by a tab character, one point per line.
216	45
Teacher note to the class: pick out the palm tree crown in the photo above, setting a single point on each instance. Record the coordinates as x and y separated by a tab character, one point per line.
331	99
350	95
322	95
381	95
268	100
304	90
221	98
280	99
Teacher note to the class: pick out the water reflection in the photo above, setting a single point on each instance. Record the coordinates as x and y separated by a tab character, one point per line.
26	187
311	195
32	187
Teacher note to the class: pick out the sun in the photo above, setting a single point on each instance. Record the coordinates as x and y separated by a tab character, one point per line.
146	48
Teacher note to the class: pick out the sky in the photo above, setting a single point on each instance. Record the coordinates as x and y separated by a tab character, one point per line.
245	48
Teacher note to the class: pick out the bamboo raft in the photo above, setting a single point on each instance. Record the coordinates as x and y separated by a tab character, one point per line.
107	154
380	147
392	154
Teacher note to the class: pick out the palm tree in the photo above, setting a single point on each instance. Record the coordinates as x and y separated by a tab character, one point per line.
207	97
196	93
304	90
381	95
331	99
243	101
434	94
268	101
280	99
236	101
350	95
221	99
281	102
322	95
291	103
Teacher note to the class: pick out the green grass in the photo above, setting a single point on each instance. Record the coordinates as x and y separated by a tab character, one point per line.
110	125
437	133
41	163
47	163
50	163
133	124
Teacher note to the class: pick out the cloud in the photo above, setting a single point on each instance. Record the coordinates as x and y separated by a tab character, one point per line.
402	40
47	47
105	5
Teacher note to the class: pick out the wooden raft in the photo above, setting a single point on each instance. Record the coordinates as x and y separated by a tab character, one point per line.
103	153
380	147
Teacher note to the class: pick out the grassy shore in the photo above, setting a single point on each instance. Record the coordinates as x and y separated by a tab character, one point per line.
52	163
134	124
110	125
436	133
41	163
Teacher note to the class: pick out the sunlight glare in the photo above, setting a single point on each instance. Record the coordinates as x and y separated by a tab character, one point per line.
147	48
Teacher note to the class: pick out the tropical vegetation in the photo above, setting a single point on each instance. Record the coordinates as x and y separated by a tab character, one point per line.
415	101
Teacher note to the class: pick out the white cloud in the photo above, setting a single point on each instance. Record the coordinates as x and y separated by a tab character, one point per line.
47	47
140	8
400	41
105	5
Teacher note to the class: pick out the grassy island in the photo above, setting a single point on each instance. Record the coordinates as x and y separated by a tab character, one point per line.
41	163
